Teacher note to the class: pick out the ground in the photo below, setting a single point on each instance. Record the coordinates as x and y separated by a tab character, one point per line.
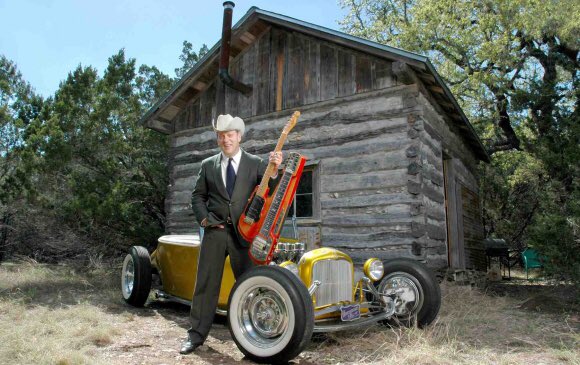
65	314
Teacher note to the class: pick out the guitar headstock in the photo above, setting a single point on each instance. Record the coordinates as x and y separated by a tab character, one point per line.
291	123
291	162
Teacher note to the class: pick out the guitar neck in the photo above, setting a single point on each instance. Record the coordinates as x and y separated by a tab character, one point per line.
271	167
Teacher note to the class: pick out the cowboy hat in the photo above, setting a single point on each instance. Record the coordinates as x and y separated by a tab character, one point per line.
228	123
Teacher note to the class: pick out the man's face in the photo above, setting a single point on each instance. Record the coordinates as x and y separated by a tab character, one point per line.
229	142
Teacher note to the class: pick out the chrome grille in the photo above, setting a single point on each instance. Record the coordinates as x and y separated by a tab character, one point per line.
335	277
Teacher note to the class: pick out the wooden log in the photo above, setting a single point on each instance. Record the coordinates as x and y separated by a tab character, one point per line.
433	192
414	168
181	197
380	222
363	201
412	151
434	210
433	231
360	256
185	183
391	160
391	142
372	180
393	212
413	187
358	241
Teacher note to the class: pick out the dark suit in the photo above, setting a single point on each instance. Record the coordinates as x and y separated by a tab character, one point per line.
210	200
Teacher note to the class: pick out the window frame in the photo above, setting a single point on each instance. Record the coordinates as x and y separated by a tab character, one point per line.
314	167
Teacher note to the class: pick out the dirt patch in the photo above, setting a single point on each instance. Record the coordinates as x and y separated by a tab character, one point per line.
539	296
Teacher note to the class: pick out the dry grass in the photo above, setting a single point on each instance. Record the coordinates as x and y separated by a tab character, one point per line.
473	328
67	315
54	314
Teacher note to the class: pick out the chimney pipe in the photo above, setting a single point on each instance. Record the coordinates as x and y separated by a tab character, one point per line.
225	52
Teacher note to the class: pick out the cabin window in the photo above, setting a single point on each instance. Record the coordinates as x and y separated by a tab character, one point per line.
305	200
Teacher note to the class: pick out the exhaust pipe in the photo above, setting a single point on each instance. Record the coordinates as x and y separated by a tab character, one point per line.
225	53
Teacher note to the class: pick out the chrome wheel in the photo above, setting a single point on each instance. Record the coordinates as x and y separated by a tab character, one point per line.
262	315
406	292
128	276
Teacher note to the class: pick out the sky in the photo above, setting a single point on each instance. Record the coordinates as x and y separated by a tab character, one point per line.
47	39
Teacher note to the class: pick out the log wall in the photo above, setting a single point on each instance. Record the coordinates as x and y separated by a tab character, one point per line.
368	199
462	227
378	139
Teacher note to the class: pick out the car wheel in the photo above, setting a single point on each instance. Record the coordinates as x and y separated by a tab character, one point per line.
414	290
270	315
136	276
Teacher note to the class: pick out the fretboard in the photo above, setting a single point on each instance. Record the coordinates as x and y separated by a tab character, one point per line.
275	206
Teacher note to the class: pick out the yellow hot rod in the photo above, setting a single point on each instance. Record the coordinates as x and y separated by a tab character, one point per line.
273	310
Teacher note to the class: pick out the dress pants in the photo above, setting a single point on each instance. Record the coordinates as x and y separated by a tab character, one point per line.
217	243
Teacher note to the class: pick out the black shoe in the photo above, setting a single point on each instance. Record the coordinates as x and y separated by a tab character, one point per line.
188	347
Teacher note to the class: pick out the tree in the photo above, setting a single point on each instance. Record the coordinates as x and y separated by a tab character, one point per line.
514	66
189	58
19	107
101	172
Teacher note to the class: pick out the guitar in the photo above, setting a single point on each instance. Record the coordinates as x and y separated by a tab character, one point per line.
248	225
276	206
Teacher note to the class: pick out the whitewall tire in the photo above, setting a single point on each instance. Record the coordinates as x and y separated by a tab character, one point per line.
270	315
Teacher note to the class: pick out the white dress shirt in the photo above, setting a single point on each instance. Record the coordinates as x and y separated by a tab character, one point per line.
235	164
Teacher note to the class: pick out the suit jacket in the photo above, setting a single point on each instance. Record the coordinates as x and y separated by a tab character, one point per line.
210	199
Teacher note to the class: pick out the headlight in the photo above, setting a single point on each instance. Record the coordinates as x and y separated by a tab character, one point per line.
374	269
290	266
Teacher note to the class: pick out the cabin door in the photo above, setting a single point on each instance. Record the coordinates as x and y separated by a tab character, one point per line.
454	217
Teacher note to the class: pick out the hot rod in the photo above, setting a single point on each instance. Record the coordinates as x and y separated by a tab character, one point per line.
273	310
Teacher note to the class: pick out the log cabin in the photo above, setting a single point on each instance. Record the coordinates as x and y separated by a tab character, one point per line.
392	158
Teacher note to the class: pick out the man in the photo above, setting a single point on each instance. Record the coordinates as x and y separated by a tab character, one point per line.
223	187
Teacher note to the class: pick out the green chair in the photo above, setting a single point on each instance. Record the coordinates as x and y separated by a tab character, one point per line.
532	260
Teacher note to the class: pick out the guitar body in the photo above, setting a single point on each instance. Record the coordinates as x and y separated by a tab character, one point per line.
249	223
275	210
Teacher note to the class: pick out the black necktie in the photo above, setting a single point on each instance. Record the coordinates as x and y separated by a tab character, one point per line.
230	178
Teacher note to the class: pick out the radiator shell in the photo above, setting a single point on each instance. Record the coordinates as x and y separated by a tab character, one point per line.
334	270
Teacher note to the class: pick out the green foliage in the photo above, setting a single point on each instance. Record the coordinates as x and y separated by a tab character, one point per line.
557	236
79	164
189	58
84	159
512	186
514	66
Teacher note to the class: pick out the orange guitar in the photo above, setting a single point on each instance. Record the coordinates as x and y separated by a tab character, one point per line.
252	217
276	208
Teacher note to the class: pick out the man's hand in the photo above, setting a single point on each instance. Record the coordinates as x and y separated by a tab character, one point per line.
204	224
276	158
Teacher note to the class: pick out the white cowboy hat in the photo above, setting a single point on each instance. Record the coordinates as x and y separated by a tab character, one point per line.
228	123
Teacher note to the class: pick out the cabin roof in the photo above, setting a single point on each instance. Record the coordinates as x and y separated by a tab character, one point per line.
256	21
